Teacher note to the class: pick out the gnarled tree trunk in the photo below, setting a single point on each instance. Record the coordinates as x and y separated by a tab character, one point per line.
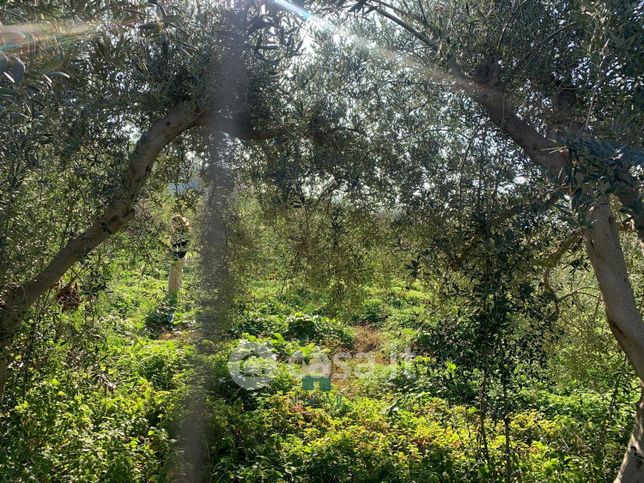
17	300
632	469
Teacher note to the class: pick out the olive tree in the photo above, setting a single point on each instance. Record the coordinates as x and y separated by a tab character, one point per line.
561	81
556	84
92	93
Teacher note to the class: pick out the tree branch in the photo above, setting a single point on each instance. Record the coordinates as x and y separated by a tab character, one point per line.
17	300
416	33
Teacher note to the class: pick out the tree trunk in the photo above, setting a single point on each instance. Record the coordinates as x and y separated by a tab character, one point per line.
17	300
175	277
632	469
605	254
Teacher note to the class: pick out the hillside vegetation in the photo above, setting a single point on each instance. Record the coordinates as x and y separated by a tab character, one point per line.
106	393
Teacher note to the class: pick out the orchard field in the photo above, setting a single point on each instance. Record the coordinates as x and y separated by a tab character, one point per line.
321	241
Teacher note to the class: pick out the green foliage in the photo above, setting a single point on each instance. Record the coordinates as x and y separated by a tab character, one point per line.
95	398
384	197
307	328
372	312
288	438
402	421
268	315
161	319
117	416
95	426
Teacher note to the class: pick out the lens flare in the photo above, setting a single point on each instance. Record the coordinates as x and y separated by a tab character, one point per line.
306	15
24	36
384	53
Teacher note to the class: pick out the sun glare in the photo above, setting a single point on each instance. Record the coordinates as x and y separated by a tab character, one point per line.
24	36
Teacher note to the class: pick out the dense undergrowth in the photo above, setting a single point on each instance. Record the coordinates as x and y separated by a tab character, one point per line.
396	420
103	392
94	393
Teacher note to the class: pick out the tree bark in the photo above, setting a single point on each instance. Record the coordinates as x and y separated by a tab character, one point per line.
17	300
606	256
632	469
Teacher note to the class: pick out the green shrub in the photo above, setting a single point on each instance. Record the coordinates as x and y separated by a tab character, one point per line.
372	312
161	318
314	328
